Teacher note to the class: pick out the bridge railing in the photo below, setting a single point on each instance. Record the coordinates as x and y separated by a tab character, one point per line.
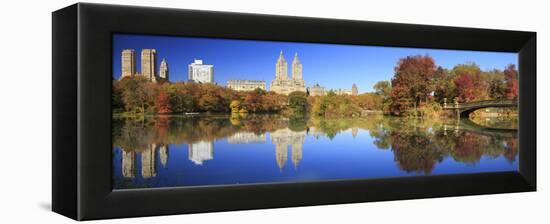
480	103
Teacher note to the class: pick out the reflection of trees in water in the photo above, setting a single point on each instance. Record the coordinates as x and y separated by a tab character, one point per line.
137	134
414	151
417	145
511	149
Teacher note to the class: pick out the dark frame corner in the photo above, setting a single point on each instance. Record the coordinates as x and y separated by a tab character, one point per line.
81	70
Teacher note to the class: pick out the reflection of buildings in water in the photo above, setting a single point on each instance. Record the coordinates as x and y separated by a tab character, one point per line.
354	132
128	164
284	137
296	153
200	152
281	154
148	162
246	138
315	132
163	154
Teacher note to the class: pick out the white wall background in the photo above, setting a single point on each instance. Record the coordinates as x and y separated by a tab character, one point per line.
25	121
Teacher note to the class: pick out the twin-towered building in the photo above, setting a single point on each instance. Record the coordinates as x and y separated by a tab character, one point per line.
282	84
148	65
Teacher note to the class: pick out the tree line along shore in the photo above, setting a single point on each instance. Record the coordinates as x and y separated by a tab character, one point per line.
418	88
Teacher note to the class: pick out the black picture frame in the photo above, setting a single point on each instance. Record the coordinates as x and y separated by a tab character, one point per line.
81	70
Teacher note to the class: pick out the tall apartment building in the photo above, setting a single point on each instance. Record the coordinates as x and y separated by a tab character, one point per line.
148	63
199	72
128	61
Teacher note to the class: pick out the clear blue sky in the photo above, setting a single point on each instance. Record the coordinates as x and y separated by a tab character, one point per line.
331	65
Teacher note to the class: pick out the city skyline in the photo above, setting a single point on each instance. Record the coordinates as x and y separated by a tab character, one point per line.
322	63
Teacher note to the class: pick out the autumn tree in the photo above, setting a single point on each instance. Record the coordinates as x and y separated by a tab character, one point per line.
211	99
497	84
469	82
116	98
163	104
135	94
273	102
412	82
444	86
333	106
511	79
235	106
465	87
370	101
253	101
181	99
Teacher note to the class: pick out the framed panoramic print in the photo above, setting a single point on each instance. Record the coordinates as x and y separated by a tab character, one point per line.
166	111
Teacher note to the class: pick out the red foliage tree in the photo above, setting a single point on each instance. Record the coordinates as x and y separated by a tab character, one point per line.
412	82
511	79
465	87
252	101
163	103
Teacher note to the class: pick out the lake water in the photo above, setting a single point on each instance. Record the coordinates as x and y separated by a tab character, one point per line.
222	149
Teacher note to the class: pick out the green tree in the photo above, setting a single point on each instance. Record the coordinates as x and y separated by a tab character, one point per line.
444	85
384	89
297	101
135	96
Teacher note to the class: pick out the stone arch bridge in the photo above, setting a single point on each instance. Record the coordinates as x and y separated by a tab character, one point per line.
464	109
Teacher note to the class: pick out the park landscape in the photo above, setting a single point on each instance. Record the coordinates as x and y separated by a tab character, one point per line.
424	119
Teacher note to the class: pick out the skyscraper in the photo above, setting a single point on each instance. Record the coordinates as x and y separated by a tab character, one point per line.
163	73
128	63
148	63
354	90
